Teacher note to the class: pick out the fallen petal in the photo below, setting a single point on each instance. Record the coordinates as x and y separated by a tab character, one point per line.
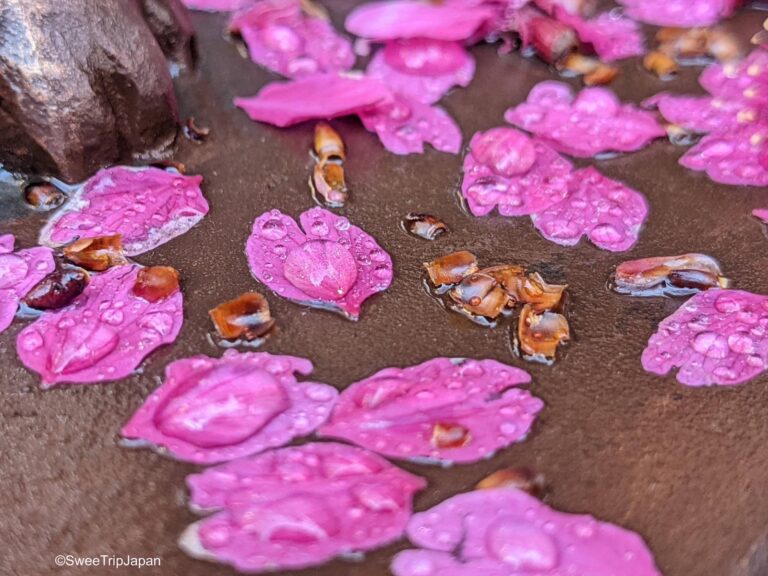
211	410
718	337
146	206
737	157
680	13
20	272
443	410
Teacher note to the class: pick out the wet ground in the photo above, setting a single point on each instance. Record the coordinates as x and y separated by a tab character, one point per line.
686	468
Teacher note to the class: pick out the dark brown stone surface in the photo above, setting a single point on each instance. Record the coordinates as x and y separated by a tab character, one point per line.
686	468
83	84
171	24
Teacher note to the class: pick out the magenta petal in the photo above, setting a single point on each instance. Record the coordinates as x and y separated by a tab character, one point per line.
506	169
211	410
331	264
422	70
717	337
503	531
217	5
20	271
398	19
592	123
103	335
147	206
761	213
611	36
405	125
736	157
281	37
700	114
679	13
298	507
608	212
395	411
314	97
744	81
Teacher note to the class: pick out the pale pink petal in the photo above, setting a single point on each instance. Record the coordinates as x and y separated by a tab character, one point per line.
738	157
298	507
444	410
745	81
608	212
609	35
761	213
680	13
103	335
405	125
211	410
505	169
314	97
398	19
281	37
146	206
20	271
504	531
702	114
330	264
421	69
592	123
717	337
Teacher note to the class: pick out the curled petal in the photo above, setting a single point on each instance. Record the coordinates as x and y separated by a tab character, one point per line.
211	410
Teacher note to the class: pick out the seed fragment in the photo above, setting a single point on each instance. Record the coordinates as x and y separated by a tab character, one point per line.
552	39
450	435
481	295
195	133
669	275
156	283
605	74
58	289
660	64
328	185
96	254
540	334
44	196
328	144
246	317
424	226
520	478
451	268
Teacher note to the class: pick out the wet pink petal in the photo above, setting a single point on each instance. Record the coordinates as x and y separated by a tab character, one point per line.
745	81
444	410
405	125
504	531
591	123
608	212
20	271
717	337
398	19
147	206
738	157
702	114
217	5
103	335
611	36
281	37
421	69
211	410
319	96
330	264
505	169
679	13
761	213
298	507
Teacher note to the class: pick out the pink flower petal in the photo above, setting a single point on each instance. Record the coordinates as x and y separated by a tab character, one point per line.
20	271
103	335
504	531
717	337
217	5
761	213
147	206
680	13
402	413
609	35
319	96
745	81
211	410
405	125
331	264
738	157
701	114
422	70
398	19
298	507
608	212
281	37
592	123
506	169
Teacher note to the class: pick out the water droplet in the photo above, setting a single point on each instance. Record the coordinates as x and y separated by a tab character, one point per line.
273	229
711	344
